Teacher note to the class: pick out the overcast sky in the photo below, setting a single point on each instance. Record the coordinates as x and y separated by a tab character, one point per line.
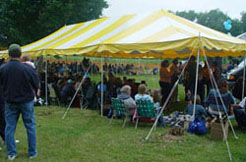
120	7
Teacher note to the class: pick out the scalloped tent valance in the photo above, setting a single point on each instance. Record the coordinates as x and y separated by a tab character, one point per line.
157	35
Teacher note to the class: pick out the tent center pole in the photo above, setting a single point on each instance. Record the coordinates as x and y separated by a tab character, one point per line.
197	72
196	83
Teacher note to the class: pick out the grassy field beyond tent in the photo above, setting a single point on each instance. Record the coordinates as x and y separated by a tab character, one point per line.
84	136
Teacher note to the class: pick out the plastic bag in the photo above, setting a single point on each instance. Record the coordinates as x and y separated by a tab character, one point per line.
197	127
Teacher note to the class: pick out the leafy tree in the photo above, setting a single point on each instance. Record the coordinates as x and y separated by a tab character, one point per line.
215	19
243	21
236	27
190	15
24	21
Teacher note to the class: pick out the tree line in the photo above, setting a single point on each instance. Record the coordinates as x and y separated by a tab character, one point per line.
215	19
25	21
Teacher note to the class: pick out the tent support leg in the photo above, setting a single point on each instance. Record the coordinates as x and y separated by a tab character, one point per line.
165	104
46	81
244	63
102	62
80	84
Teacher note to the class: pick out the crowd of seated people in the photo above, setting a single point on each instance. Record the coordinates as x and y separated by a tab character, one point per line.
120	68
67	80
209	103
218	104
63	76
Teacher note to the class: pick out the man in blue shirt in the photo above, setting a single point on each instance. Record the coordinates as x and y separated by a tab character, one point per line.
213	100
200	111
18	82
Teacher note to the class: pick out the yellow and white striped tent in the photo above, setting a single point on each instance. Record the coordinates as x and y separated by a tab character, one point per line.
158	35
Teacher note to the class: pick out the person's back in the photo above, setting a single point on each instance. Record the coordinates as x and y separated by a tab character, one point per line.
68	90
129	103
200	111
143	97
214	99
18	82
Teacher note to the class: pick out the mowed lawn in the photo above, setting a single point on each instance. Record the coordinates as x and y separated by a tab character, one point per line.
86	136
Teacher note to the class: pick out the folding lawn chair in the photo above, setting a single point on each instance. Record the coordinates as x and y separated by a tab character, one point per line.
119	107
145	109
53	97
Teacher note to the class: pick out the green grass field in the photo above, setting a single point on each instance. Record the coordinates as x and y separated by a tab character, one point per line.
86	136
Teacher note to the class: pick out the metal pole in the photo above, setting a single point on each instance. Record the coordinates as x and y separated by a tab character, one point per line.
139	72
243	76
70	104
102	62
166	102
46	82
216	86
195	93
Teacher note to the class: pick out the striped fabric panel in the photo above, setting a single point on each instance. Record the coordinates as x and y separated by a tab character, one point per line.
210	33
116	24
136	27
159	26
72	29
78	33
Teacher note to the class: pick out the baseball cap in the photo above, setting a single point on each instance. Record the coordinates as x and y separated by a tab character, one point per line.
14	50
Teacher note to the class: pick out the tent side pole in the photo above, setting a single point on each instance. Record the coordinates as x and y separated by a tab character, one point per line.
166	102
243	76
46	81
102	62
216	87
76	92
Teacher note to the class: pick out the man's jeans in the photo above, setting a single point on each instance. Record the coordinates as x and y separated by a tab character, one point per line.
12	113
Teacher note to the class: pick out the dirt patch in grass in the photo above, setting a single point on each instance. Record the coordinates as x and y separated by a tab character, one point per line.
44	113
171	138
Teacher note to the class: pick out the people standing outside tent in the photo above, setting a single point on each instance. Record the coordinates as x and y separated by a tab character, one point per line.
206	78
175	69
18	81
216	71
2	118
190	77
165	80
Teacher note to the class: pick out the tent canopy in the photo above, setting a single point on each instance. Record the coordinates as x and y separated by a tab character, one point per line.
159	34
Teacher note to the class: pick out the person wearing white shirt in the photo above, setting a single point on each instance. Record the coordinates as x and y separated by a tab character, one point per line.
143	96
142	93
